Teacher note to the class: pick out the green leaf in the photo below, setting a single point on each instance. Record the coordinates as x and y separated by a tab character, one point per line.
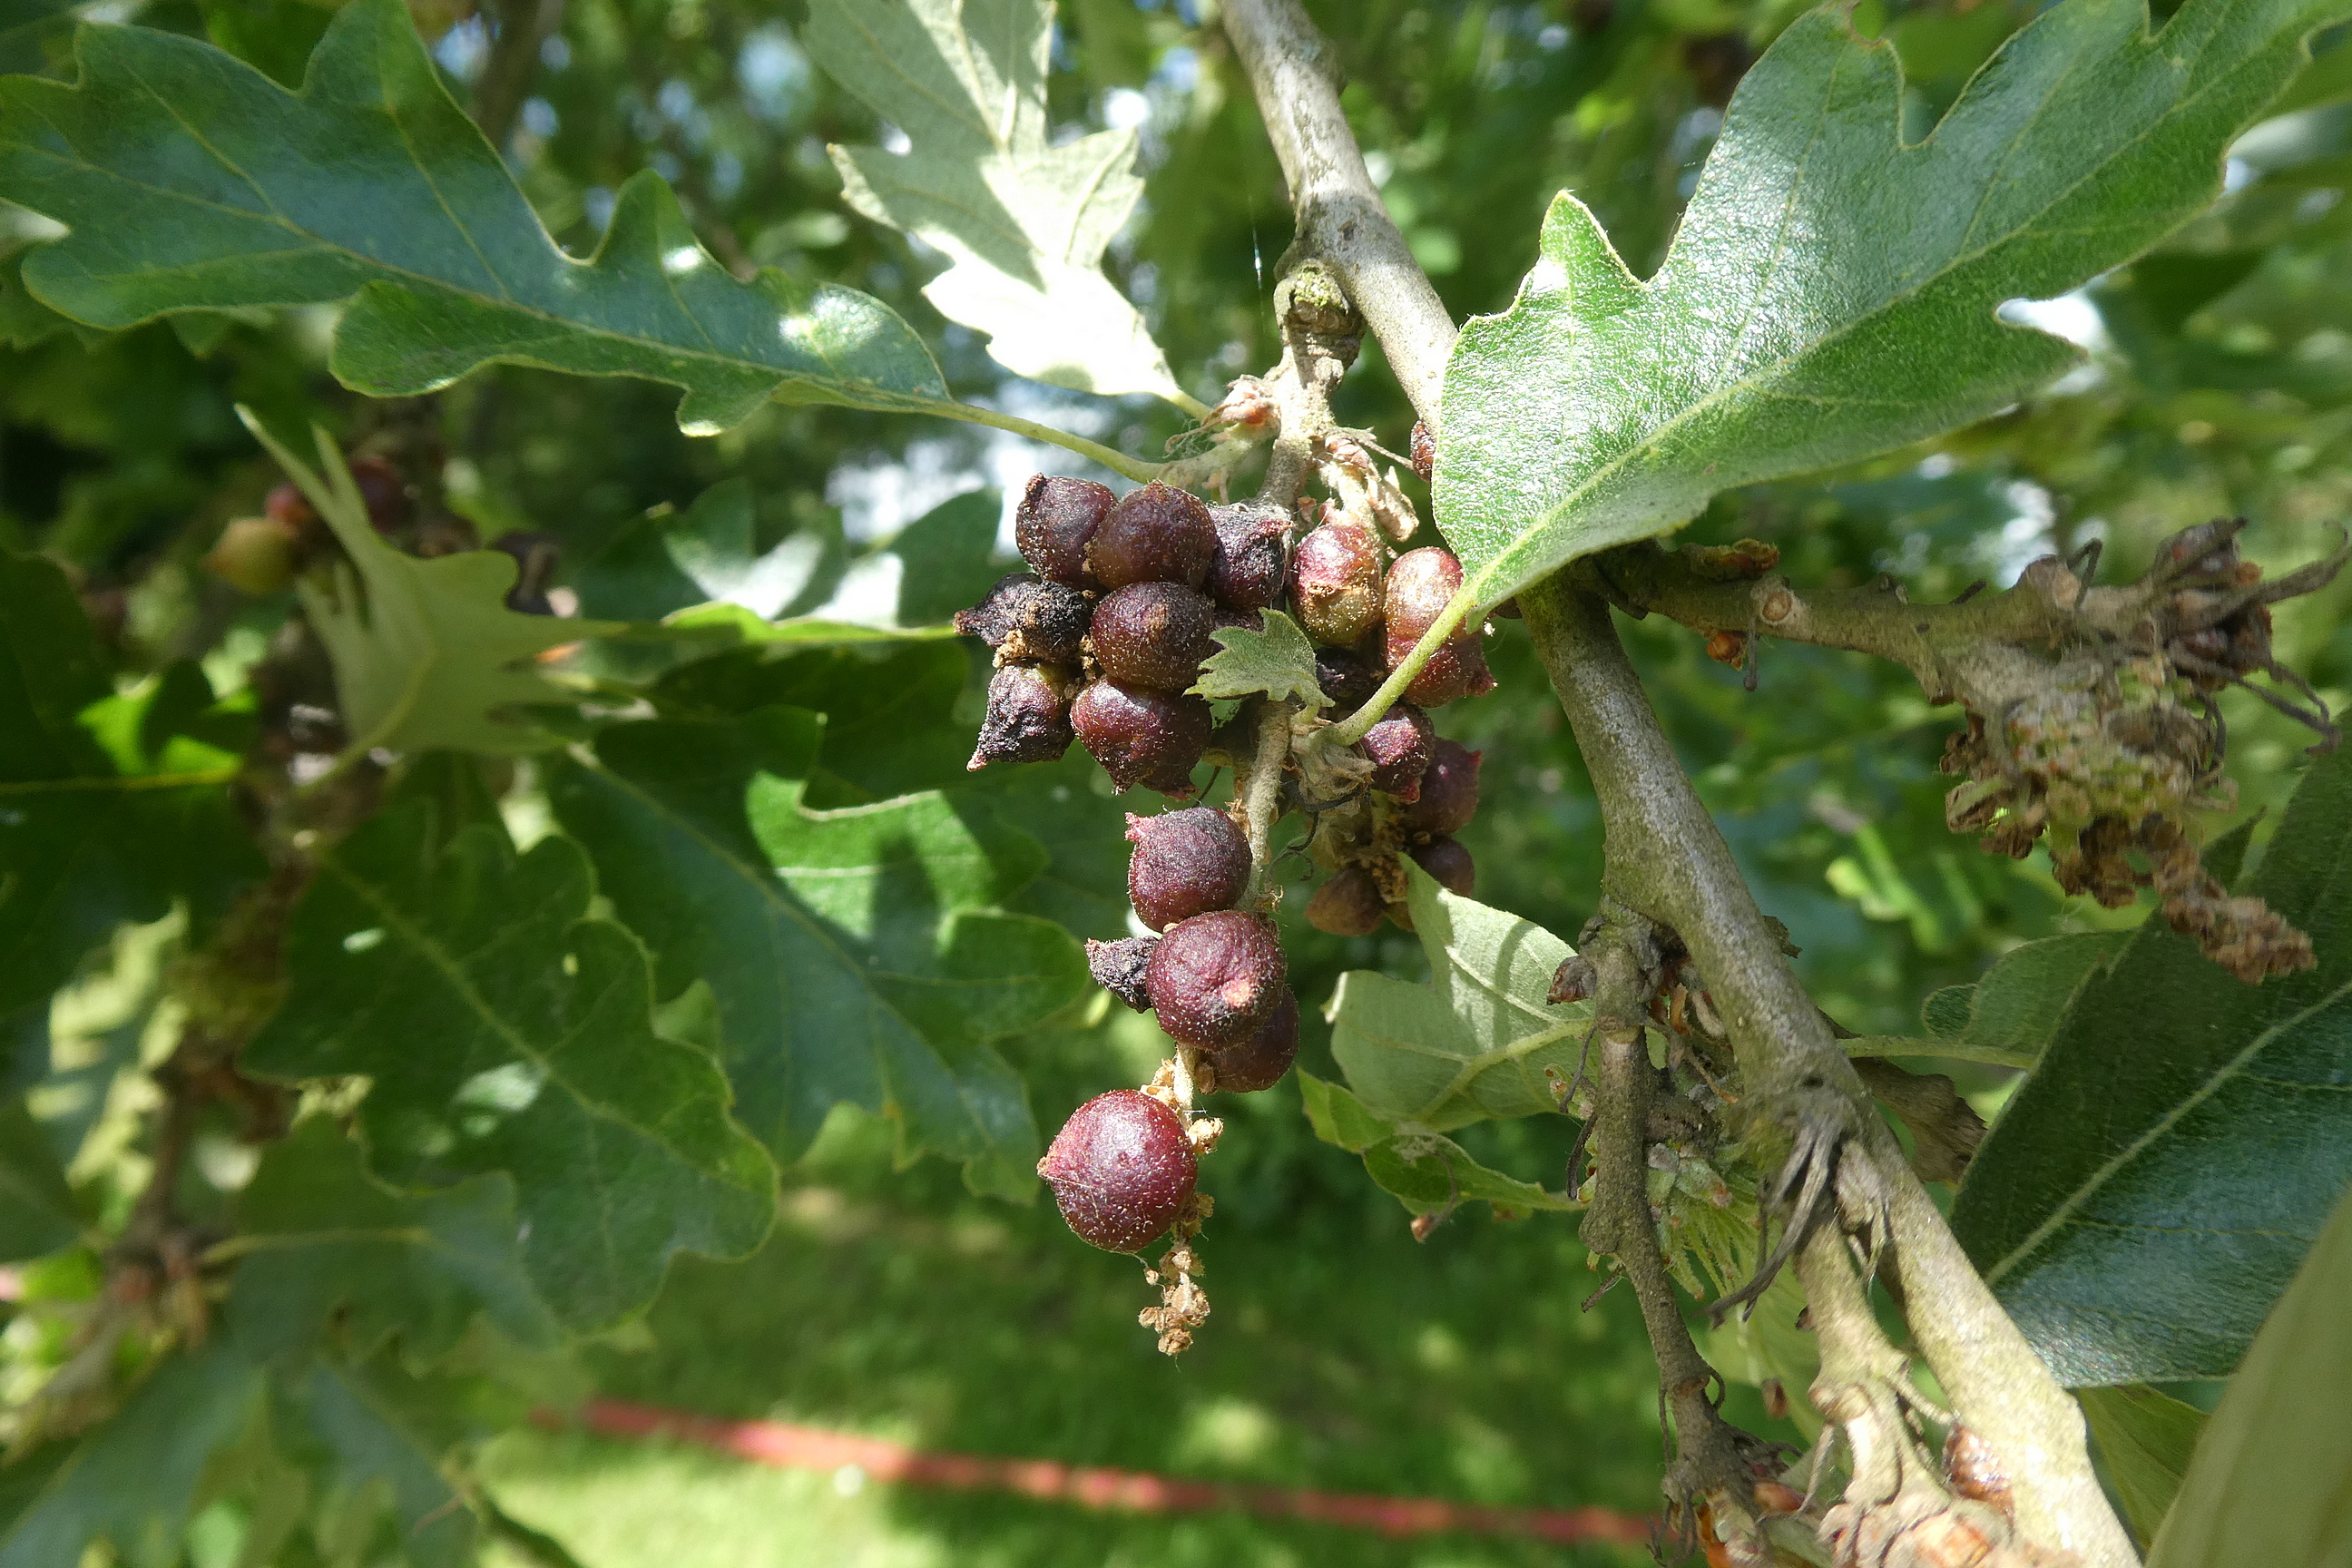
2007	1018
1278	661
37	1214
854	953
372	1436
324	1252
1831	291
1424	1171
504	1029
1021	219
1476	1041
889	728
131	1480
2144	1439
191	181
427	653
110	806
2150	1189
2269	1481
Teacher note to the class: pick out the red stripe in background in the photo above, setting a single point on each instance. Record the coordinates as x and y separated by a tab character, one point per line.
791	1448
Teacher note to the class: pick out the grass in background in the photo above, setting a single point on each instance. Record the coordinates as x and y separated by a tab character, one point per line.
1343	1356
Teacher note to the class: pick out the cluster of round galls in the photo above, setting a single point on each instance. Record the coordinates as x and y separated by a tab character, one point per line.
1102	639
1216	977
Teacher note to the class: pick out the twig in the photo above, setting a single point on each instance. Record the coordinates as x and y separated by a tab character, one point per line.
1709	1465
1261	793
1665	856
1340	218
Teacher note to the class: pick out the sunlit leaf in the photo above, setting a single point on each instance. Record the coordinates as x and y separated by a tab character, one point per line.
191	181
1479	1040
1022	216
1831	291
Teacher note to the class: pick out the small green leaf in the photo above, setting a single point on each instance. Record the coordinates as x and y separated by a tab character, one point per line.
131	1480
2269	1479
427	653
1831	291
855	954
2007	1018
1338	1116
323	1250
1278	661
191	181
110	806
1479	1040
506	1030
1424	1171
2150	1189
2145	1440
1022	216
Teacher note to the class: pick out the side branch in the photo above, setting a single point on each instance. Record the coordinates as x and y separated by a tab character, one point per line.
1666	859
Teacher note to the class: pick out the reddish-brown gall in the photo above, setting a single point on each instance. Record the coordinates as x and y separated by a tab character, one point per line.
1350	904
1335	583
1449	790
1028	718
1121	1170
1026	618
1143	737
1055	522
1185	863
1456	669
1253	561
1117	967
1215	978
1153	635
1155	534
1446	859
1400	747
1258	1060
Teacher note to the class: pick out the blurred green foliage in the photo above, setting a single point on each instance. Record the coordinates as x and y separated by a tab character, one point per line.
2220	384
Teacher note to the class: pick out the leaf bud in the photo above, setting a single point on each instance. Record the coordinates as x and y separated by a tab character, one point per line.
1121	1170
1335	583
1142	737
1155	534
1185	863
1028	717
1253	561
1055	521
1215	978
1153	635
